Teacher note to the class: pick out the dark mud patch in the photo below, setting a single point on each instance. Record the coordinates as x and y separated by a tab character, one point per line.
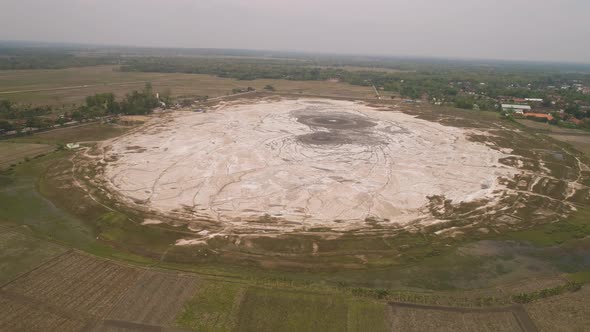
325	138
342	121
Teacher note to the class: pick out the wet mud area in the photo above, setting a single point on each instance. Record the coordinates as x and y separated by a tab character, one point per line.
337	128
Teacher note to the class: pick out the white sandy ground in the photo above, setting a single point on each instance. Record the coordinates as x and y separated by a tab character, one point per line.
242	162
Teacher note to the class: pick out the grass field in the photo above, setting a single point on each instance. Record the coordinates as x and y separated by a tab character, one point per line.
83	133
72	85
77	283
579	142
20	253
579	139
214	308
224	306
416	318
576	227
569	312
272	310
13	153
74	291
269	310
23	315
171	289
546	127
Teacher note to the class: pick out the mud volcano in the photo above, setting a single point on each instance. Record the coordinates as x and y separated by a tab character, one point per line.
293	165
335	120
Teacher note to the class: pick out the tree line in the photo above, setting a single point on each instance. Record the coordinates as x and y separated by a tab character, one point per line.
16	116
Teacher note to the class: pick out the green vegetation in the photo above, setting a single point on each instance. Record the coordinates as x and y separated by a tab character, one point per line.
117	228
88	132
274	310
459	83
37	59
571	286
576	227
20	253
468	87
582	277
214	308
96	106
12	154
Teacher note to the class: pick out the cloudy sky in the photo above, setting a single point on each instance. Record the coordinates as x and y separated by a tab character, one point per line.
556	30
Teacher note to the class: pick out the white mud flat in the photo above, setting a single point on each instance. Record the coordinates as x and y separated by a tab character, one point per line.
300	164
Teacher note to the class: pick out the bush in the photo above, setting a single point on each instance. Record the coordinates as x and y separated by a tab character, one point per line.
522	298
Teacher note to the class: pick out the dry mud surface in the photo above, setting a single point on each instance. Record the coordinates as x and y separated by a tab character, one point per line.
301	164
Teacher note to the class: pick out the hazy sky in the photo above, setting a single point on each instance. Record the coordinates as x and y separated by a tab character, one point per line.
504	29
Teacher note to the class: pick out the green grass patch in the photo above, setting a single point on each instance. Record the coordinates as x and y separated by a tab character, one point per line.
118	228
23	205
265	309
83	133
214	308
571	286
576	227
366	316
275	310
20	253
582	277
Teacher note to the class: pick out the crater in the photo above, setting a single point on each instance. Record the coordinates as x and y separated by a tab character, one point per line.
335	120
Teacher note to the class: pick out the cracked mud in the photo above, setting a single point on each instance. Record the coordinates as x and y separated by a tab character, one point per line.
298	164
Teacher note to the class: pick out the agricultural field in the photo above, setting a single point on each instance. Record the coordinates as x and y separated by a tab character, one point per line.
406	317
21	314
215	307
172	289
14	153
579	139
546	127
20	253
579	142
71	86
77	283
73	291
272	310
568	312
89	133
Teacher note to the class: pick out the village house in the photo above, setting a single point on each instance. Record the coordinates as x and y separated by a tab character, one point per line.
516	109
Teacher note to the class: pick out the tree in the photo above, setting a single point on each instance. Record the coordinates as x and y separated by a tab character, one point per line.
409	92
464	102
140	102
5	107
6	126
